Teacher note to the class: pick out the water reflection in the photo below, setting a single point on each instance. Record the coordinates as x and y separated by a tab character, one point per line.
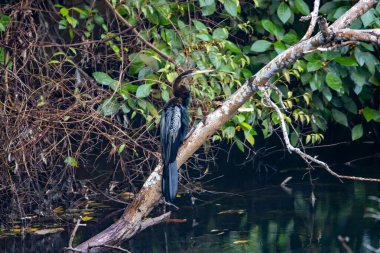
253	218
273	221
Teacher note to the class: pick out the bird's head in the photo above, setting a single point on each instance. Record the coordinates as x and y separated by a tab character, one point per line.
181	90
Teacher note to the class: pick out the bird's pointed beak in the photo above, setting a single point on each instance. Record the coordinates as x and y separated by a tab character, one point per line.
202	71
195	72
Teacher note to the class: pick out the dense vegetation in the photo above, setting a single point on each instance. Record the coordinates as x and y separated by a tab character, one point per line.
75	78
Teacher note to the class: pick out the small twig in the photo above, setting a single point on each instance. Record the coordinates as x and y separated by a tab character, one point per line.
286	181
314	17
344	241
74	232
332	47
153	221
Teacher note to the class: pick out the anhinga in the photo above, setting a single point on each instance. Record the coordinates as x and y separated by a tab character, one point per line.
174	126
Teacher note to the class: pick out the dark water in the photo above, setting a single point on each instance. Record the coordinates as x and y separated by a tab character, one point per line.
253	214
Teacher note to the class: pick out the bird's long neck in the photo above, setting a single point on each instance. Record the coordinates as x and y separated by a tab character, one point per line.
179	90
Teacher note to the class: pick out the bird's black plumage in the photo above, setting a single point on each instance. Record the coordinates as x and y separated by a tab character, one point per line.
173	129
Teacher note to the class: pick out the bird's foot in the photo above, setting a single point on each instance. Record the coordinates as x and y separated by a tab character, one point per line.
190	132
204	120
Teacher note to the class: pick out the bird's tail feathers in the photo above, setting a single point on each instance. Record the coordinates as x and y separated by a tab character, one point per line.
169	184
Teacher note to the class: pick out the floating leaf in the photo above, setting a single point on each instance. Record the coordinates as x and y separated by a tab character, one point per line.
48	231
87	218
173	220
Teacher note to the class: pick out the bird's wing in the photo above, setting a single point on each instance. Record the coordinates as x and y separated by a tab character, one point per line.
169	133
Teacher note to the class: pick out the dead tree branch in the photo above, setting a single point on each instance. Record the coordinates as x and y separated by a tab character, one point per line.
314	17
303	155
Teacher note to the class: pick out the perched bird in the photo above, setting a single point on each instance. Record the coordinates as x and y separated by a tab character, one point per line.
173	129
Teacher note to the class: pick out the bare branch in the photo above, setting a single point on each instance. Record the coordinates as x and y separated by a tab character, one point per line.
153	221
313	16
371	35
74	232
332	47
303	155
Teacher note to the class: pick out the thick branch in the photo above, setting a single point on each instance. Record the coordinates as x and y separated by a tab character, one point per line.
150	193
371	35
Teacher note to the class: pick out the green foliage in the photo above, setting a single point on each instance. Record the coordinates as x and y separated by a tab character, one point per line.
71	161
319	89
4	20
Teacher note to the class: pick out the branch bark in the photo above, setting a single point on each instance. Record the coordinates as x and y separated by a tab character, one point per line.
148	197
314	17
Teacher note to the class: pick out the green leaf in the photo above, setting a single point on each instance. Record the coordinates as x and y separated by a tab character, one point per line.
371	114
316	83
229	132
110	107
121	148
64	11
71	161
199	26
239	144
231	7
143	91
314	66
302	7
248	136
357	132
339	117
290	38
269	26
231	46
204	36
284	12
72	21
208	7
220	34
334	81
260	46
103	79
368	18
327	93
346	61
